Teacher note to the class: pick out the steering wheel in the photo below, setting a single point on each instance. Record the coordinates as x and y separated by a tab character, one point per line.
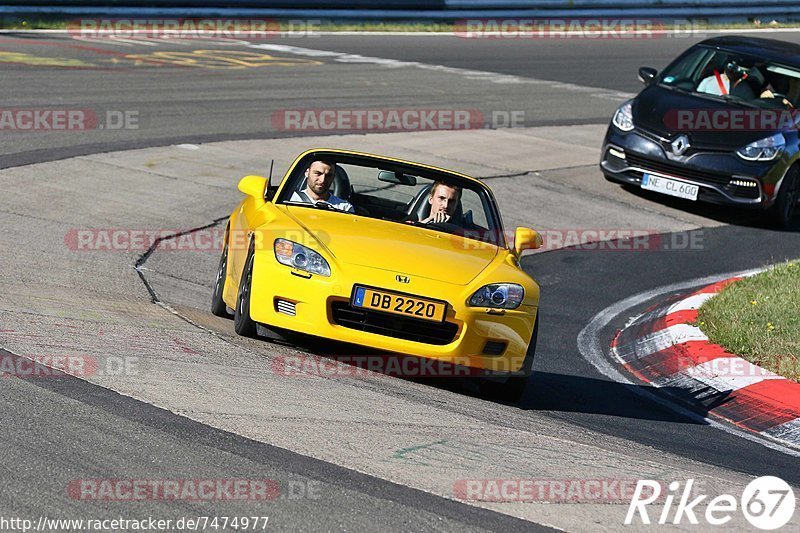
324	205
783	99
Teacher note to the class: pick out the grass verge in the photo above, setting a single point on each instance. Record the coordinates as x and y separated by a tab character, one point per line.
759	319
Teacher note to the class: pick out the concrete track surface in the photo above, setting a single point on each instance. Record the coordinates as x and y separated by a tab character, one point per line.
175	394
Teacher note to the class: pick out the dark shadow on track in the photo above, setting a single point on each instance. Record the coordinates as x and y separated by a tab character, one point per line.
575	394
545	391
752	218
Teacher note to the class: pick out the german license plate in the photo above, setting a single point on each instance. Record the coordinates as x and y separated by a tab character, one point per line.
670	187
399	304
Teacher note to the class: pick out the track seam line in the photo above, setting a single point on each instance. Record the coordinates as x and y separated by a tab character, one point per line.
509	424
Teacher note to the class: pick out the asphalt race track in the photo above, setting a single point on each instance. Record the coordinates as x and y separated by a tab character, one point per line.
174	394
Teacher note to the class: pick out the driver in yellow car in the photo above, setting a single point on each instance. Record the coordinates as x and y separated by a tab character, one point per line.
319	178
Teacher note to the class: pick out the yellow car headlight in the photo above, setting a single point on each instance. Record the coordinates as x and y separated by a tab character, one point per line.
300	257
498	296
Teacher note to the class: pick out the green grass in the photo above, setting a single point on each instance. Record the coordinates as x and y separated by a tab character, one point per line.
22	24
759	319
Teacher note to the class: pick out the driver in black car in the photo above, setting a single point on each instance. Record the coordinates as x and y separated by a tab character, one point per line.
735	79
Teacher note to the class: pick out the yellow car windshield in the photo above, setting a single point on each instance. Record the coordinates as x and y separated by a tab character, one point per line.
406	195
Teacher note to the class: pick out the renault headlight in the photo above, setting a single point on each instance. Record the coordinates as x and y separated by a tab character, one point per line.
763	149
623	117
498	296
300	257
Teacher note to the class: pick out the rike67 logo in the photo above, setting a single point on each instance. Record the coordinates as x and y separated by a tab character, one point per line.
767	503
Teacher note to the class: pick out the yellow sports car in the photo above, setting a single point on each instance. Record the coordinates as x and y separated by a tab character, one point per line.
401	257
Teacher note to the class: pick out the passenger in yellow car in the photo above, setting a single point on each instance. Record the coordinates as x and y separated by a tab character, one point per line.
444	200
319	178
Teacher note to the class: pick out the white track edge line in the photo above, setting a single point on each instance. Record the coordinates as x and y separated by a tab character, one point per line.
591	350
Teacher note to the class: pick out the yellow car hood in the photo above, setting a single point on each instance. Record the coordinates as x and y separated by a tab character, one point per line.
400	248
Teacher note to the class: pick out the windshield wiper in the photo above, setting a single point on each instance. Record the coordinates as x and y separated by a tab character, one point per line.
675	88
727	98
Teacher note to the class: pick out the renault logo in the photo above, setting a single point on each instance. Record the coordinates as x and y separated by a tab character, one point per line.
402	279
680	145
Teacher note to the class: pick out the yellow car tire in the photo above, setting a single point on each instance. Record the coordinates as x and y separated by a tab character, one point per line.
242	323
218	306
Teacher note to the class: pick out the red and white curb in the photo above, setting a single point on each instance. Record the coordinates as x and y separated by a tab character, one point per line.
662	348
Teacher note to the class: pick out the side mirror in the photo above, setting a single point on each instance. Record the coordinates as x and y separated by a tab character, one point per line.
253	186
526	239
647	75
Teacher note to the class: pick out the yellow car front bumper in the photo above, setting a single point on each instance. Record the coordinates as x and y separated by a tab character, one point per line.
488	339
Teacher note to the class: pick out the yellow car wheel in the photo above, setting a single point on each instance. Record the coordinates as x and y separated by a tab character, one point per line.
218	306
242	323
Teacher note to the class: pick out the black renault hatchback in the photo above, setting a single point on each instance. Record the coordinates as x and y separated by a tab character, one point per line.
718	125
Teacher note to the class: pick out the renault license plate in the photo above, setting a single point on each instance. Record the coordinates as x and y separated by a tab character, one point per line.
671	187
